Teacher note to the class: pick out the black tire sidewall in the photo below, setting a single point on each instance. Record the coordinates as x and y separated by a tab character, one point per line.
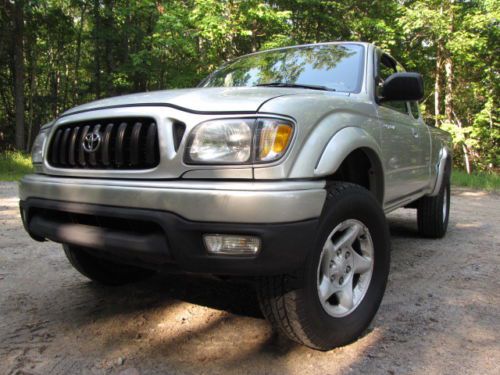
431	222
327	331
446	194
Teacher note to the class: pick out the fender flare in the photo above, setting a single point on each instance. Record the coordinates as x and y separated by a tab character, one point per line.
442	168
345	142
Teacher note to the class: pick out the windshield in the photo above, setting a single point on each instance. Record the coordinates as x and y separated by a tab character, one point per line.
336	67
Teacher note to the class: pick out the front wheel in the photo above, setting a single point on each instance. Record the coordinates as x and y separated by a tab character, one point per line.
336	294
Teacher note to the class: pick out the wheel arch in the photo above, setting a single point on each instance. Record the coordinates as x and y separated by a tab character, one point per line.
353	155
443	168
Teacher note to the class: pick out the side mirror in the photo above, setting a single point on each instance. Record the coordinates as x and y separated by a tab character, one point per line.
403	86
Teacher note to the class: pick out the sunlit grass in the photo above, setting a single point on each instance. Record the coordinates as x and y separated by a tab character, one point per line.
14	165
479	180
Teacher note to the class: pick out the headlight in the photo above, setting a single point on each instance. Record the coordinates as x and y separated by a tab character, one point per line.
38	145
221	141
238	141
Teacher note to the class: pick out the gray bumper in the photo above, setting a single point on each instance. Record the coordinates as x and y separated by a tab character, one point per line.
210	201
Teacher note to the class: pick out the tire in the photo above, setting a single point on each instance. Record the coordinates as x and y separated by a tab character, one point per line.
292	302
433	213
104	271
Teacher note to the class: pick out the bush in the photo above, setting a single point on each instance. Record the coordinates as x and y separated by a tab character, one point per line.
14	165
479	180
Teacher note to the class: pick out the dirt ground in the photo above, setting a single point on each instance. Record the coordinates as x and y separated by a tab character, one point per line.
440	314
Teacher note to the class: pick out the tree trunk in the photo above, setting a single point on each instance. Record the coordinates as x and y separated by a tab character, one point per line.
78	55
32	83
64	104
19	72
108	39
55	80
448	68
466	158
97	49
437	83
448	97
465	149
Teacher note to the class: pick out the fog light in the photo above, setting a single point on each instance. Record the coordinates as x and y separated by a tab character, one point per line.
227	244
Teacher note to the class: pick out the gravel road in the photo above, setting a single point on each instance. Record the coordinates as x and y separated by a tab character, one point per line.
440	314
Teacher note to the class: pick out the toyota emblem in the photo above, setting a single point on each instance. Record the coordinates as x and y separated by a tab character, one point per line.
91	142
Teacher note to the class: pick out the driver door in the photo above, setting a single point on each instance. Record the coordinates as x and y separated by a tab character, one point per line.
400	139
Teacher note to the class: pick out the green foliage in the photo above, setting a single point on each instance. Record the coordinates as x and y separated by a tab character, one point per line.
76	51
479	180
14	165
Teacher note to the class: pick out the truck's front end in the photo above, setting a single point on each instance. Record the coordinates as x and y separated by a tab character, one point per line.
237	177
162	186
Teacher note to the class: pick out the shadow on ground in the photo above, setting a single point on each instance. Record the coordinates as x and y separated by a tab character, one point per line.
436	308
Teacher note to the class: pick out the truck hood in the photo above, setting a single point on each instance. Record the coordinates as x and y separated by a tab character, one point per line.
202	100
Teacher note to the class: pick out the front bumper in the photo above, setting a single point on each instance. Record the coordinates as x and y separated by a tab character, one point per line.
161	224
212	201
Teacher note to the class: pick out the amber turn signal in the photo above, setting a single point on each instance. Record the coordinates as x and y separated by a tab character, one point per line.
274	138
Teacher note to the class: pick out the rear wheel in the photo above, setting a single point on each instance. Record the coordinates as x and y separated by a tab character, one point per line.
336	294
433	212
103	271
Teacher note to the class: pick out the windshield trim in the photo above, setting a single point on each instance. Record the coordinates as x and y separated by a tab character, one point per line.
361	72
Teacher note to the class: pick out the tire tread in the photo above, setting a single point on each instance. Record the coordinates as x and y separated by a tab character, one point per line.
280	300
429	214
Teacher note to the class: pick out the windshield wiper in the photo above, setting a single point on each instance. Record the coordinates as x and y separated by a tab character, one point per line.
296	85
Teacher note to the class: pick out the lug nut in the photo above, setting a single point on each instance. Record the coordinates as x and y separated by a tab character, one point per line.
339	252
348	269
332	278
347	254
341	280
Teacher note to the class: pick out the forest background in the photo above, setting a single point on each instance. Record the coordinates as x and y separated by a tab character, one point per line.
55	54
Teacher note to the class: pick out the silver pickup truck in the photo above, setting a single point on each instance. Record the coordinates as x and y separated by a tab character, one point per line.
279	166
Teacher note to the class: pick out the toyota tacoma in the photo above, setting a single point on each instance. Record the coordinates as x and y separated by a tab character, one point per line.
279	167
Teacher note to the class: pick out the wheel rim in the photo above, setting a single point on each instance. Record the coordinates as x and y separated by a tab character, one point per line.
445	203
345	268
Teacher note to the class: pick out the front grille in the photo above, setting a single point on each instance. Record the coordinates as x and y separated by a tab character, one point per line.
117	143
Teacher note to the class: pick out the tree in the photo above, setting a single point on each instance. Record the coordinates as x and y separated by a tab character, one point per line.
16	11
55	54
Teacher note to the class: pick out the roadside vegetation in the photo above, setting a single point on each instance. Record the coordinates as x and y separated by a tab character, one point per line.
55	54
479	180
14	165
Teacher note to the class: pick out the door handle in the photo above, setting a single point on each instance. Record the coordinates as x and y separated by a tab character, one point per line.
390	126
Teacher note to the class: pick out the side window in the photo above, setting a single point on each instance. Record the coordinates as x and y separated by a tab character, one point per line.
386	67
414	109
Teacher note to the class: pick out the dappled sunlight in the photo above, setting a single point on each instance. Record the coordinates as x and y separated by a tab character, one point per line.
10	214
440	303
471	333
468	225
9	209
196	338
10	201
289	356
471	193
143	321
